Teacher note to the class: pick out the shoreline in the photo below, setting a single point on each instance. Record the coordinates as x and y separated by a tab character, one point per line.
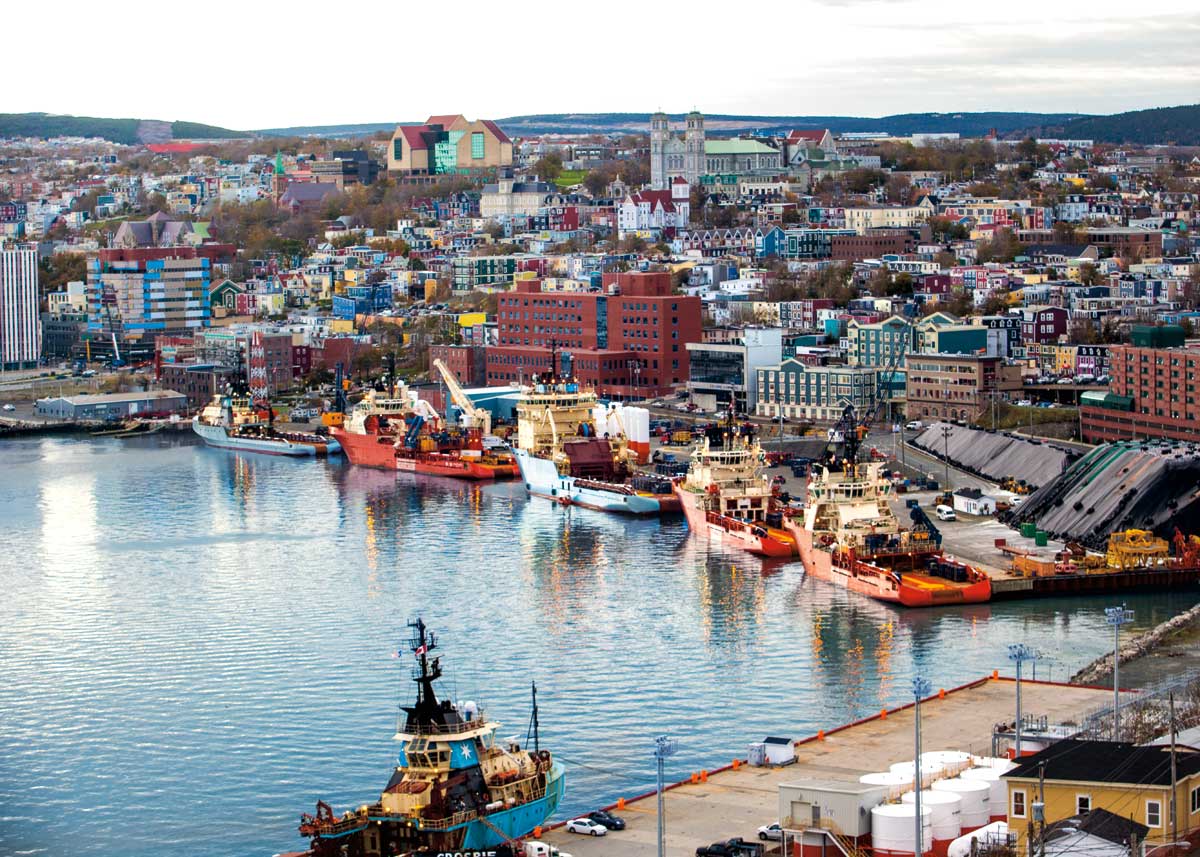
1140	656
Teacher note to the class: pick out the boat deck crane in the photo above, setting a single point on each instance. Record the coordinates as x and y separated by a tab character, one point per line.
479	417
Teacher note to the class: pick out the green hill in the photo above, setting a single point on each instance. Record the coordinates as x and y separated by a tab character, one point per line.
117	130
1178	125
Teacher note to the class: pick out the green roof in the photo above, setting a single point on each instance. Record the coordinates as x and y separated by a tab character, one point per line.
738	147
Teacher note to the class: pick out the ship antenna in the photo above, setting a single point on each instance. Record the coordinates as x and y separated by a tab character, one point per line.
533	721
553	361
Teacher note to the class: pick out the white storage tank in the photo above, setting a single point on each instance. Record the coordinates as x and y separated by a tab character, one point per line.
961	847
893	830
997	787
886	778
974	794
952	761
945	817
930	770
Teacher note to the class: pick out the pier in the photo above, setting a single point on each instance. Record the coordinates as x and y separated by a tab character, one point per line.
736	801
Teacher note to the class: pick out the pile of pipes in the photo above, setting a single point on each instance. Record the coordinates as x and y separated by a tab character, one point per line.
994	455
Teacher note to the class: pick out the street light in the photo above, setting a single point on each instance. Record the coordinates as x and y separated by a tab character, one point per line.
921	688
1019	652
1117	616
946	452
663	747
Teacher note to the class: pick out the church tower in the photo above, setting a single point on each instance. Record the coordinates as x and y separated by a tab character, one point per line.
694	161
659	135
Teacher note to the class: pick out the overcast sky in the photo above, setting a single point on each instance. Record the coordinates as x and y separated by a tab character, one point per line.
257	64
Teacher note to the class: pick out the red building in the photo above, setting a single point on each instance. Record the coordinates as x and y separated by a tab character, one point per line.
466	362
628	341
1043	324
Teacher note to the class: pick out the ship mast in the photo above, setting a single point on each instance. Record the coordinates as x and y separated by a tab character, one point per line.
533	721
426	710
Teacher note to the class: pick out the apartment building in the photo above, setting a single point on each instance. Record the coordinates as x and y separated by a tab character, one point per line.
20	327
814	392
141	293
957	386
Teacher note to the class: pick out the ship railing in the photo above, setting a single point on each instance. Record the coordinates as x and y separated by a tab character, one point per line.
402	726
448	822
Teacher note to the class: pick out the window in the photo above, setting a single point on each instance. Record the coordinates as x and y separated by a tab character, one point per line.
398	149
1083	803
477	149
1153	813
1018	804
1196	799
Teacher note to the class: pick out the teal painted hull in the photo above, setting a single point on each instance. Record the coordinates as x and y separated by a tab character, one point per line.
520	820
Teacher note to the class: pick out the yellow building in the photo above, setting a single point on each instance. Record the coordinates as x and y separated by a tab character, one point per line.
1124	779
449	145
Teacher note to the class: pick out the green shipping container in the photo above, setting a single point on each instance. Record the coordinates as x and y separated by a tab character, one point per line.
1028	529
1041	538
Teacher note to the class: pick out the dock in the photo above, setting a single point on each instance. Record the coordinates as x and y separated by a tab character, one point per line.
735	801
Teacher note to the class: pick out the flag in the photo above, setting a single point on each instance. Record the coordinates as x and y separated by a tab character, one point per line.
420	650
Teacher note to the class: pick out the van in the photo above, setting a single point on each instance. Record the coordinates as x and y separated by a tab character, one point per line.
915	425
945	513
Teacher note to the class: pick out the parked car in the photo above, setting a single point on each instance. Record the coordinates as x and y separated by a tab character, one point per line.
9	407
1024	403
586	826
915	425
1066	381
945	513
775	832
607	819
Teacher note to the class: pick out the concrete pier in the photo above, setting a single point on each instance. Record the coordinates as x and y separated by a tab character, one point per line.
736	802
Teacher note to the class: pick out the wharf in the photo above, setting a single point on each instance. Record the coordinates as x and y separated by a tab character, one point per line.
735	802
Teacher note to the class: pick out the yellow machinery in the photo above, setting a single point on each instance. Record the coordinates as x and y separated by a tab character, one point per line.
1136	549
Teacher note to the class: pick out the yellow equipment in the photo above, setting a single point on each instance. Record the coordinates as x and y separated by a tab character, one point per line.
1136	549
480	417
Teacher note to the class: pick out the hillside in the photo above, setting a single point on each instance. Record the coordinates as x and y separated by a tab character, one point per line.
117	130
1178	125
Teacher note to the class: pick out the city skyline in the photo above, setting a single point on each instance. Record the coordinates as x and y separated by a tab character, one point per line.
819	57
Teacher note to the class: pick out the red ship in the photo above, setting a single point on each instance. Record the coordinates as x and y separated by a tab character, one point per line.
402	434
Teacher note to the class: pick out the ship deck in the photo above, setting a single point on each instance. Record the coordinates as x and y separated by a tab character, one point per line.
736	802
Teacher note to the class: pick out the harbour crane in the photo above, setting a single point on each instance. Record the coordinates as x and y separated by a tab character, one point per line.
479	417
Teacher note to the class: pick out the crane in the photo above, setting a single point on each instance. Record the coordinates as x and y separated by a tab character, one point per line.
481	418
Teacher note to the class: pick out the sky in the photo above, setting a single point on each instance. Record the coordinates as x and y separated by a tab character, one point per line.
257	64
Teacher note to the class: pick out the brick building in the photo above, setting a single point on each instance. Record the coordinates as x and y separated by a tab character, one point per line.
628	341
872	245
957	386
468	363
1154	391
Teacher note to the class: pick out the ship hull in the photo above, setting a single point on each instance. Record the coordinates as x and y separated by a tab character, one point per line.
906	589
378	450
219	436
762	541
542	479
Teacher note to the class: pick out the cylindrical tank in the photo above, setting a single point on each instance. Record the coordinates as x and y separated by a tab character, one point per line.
997	788
992	762
945	821
974	794
929	770
893	830
886	778
952	761
961	847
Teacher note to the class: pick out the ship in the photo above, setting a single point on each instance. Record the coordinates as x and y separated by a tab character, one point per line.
232	422
402	432
848	534
456	787
726	496
561	457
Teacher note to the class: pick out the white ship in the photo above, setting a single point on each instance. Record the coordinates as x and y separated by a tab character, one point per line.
230	422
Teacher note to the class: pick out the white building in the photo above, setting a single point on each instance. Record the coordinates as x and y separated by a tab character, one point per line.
650	210
20	326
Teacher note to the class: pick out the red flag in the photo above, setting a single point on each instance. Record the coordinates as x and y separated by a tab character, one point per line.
420	650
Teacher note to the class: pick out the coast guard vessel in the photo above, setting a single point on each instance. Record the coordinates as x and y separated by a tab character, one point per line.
232	422
455	788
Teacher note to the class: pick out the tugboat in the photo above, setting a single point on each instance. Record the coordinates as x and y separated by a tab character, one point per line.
726	495
561	457
849	535
455	788
233	422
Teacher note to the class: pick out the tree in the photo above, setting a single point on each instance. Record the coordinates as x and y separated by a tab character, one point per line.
946	259
54	272
597	181
1089	274
1003	247
548	167
901	285
880	283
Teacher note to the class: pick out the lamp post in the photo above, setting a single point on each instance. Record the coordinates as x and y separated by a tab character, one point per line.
1019	653
663	747
1117	616
946	452
921	688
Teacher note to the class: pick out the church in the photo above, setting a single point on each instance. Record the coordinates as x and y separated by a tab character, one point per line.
672	156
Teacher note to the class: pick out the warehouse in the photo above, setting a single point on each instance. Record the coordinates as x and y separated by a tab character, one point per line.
112	406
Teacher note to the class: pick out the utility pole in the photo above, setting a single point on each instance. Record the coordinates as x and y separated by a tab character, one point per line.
1174	774
1039	811
663	747
1117	616
1019	653
921	688
946	452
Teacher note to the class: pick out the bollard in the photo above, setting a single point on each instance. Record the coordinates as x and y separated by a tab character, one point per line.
704	776
621	803
883	716
695	778
537	832
737	763
821	735
995	673
941	695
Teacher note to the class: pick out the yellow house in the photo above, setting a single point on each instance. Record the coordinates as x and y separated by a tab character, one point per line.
1124	779
1065	359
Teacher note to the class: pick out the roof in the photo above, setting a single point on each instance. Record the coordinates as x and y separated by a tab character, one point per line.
812	136
1100	823
495	129
776	740
738	147
308	192
445	120
1107	762
119	398
414	135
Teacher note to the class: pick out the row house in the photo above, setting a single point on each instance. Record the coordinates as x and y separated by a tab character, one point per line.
718	242
814	392
802	314
1043	324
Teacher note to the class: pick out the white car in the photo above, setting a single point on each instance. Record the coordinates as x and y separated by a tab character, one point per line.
1025	403
586	826
9	408
770	831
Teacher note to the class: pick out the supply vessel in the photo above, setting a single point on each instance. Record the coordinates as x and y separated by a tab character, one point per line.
456	787
561	456
233	422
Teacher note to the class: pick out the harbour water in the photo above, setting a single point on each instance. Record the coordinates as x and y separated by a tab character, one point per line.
197	644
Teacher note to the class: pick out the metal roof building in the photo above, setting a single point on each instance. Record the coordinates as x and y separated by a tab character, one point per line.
112	406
